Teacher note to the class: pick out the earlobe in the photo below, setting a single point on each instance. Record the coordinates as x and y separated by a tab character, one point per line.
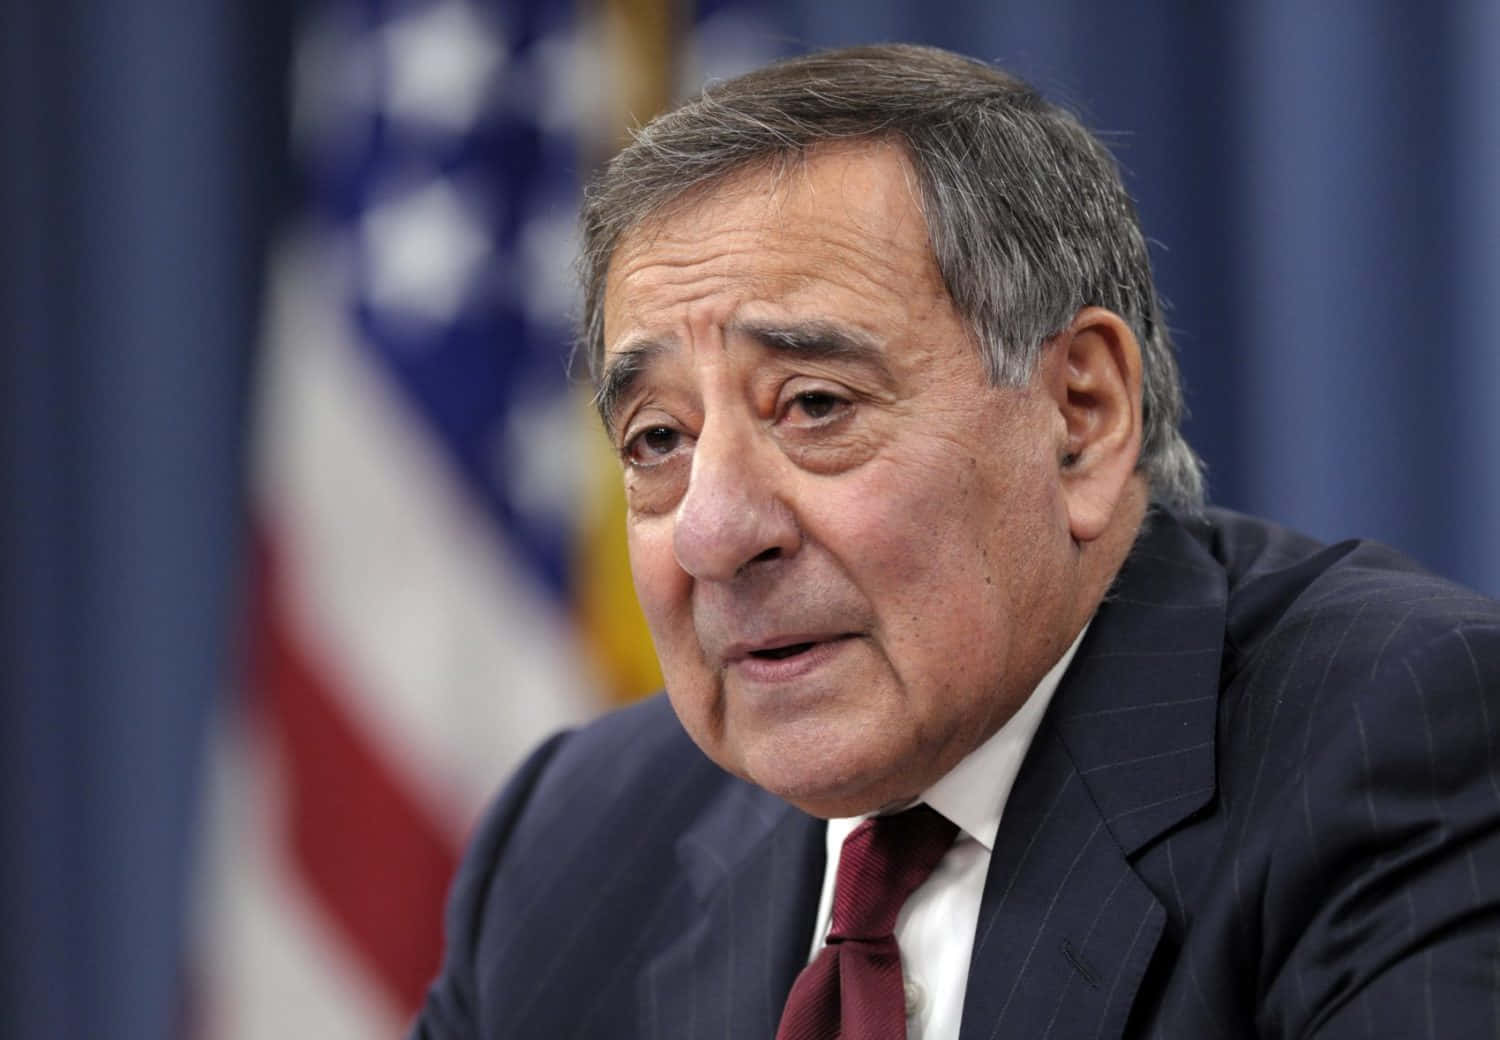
1097	389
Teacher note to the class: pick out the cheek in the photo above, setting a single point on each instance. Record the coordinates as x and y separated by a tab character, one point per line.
929	520
920	543
948	553
665	594
661	586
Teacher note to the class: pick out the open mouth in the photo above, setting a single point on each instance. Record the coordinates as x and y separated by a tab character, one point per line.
779	652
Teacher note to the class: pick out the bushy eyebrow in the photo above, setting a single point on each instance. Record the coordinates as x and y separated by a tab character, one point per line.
809	340
817	340
621	372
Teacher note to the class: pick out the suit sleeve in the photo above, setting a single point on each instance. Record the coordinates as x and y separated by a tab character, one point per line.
450	1012
1394	884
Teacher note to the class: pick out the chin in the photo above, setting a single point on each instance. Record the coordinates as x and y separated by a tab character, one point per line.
823	786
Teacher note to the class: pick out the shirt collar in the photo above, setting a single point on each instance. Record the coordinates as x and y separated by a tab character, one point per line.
973	793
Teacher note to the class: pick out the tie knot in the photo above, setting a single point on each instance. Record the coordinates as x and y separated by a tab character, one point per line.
883	861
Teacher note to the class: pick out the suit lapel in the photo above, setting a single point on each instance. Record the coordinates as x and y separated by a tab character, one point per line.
1125	753
754	871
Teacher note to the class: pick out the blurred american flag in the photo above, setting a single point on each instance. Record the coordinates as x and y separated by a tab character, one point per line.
438	576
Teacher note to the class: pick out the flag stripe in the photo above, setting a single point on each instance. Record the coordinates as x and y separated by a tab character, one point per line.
425	604
361	842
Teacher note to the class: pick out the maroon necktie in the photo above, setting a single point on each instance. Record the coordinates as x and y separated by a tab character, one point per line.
852	990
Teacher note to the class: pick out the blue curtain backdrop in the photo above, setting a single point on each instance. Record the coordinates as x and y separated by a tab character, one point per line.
1321	182
139	160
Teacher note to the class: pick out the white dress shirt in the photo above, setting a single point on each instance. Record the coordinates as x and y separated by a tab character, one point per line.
935	929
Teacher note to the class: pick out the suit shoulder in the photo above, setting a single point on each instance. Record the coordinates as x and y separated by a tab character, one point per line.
582	855
618	764
597	781
613	748
1356	793
1292	597
1349	661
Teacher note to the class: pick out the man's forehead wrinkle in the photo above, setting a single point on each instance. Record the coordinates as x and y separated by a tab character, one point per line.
645	278
808	260
673	259
778	198
782	247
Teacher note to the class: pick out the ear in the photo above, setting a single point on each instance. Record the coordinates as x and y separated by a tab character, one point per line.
1095	383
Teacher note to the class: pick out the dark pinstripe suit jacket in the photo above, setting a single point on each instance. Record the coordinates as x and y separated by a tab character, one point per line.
1264	802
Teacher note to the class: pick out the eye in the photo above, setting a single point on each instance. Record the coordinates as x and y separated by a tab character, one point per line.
816	405
652	446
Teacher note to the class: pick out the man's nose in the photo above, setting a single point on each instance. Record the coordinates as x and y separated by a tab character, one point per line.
734	512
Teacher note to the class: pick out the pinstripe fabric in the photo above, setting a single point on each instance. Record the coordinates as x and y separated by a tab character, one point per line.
1264	802
572	918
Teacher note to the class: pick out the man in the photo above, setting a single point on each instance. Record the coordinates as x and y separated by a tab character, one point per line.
912	524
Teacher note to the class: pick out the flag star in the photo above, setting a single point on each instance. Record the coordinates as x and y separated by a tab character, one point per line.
570	82
441	63
536	453
423	248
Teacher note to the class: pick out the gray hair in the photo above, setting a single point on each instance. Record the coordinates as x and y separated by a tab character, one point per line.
1026	212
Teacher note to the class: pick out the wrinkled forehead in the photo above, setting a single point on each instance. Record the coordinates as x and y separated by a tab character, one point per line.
776	177
815	259
847	213
755	182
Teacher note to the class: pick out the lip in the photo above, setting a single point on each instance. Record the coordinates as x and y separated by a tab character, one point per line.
740	658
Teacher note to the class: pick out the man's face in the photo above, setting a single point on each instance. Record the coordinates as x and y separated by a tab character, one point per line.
850	548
